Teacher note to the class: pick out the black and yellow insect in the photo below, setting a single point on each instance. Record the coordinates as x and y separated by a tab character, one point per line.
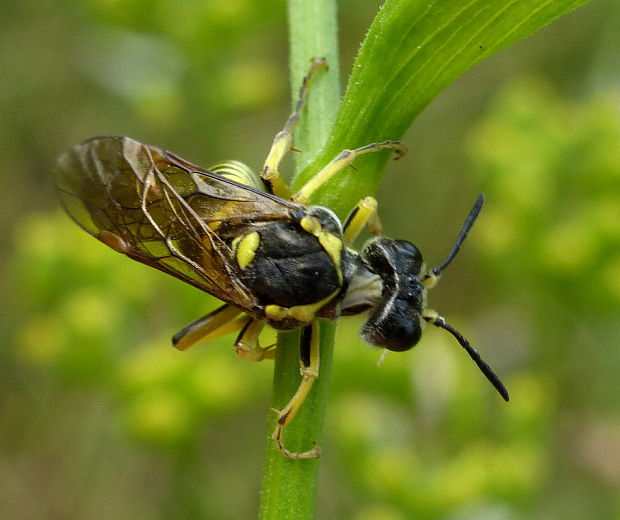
244	238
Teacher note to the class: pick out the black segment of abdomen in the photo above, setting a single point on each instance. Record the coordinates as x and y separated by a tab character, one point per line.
290	267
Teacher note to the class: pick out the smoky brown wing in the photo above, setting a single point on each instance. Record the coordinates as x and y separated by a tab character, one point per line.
163	211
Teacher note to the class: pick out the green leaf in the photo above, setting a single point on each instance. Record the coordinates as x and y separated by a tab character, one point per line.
412	51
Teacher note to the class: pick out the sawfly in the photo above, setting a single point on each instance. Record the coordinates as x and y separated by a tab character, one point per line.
273	258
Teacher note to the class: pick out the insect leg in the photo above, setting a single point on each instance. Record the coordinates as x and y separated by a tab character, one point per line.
220	321
284	138
364	214
344	159
247	346
309	366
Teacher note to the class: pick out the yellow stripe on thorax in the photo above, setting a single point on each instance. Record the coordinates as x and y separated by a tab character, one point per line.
245	247
330	242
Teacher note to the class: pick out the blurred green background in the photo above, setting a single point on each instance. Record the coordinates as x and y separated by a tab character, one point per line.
102	419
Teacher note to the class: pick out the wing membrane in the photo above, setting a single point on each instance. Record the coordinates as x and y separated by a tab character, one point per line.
162	210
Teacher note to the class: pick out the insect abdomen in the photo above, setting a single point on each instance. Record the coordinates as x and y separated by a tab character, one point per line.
238	172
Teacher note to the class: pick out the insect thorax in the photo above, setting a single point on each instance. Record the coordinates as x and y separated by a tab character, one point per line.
293	267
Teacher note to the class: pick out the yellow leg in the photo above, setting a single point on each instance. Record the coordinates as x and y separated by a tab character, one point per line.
344	159
364	214
247	346
221	321
284	139
309	366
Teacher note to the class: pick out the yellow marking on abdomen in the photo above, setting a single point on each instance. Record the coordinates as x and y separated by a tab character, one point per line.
238	172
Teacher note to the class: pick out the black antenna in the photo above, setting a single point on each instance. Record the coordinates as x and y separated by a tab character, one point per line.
469	222
439	321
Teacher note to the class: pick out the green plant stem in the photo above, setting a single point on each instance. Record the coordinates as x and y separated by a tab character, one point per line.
412	51
290	486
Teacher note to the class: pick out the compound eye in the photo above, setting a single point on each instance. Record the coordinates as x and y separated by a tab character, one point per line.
409	257
395	325
390	258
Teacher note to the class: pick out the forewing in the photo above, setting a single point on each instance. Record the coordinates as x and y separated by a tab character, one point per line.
163	211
